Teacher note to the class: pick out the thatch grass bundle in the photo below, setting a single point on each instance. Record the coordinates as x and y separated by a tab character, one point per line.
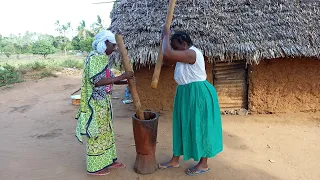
224	30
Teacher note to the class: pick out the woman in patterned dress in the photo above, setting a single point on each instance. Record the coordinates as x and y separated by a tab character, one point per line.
95	113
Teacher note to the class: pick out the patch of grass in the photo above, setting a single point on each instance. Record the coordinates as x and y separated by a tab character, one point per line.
9	75
71	63
46	73
36	66
8	86
24	68
55	66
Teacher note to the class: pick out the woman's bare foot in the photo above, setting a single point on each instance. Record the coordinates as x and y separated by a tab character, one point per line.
200	168
173	163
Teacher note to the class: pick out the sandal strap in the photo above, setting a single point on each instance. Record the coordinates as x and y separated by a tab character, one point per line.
118	165
194	171
166	166
99	173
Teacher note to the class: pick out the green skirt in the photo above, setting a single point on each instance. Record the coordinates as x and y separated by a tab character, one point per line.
197	129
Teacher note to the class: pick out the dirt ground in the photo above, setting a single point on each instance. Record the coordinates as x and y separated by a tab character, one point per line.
37	140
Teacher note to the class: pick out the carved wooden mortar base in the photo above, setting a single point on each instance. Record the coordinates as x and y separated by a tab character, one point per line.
145	137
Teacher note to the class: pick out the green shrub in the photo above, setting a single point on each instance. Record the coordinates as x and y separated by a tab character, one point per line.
7	54
46	73
71	63
43	48
55	67
86	44
24	68
36	66
9	75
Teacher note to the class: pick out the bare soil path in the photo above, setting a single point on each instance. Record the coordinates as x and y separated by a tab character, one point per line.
38	143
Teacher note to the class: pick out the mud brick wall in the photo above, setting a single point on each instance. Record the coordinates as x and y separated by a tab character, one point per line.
285	85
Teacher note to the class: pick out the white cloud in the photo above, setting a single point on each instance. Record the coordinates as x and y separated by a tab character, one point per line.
18	16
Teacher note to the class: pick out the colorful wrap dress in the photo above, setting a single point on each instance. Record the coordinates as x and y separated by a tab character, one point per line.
94	117
196	123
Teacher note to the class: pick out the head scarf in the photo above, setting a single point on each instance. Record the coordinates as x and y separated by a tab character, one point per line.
99	41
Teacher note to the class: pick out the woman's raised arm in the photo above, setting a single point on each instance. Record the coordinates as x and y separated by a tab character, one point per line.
171	55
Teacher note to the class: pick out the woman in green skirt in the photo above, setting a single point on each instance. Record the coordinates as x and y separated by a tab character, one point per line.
95	112
197	129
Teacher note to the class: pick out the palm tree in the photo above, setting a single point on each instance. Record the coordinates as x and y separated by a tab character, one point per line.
83	32
97	26
63	29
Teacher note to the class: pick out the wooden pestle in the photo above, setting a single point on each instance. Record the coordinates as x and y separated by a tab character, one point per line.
157	69
132	86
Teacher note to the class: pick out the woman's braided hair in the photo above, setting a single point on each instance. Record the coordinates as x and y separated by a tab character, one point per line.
181	36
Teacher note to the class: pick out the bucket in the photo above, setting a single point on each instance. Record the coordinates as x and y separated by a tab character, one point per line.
75	99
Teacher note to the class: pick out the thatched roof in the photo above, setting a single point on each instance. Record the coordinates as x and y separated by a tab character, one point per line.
223	29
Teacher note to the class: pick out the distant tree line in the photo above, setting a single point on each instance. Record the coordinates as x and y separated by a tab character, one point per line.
44	44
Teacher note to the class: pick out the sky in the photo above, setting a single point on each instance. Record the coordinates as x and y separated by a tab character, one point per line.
19	16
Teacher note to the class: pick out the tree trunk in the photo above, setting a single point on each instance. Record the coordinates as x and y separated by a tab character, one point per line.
145	137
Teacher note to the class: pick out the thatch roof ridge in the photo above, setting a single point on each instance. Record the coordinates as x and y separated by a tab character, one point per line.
225	30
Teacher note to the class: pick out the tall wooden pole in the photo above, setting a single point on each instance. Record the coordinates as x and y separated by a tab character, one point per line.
132	86
157	69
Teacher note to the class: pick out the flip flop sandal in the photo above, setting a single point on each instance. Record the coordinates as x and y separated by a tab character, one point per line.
117	165
99	173
195	172
166	166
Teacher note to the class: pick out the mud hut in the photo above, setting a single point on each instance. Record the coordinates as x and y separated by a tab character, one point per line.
261	55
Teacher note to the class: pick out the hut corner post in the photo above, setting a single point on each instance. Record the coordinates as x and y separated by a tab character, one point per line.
132	86
157	69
